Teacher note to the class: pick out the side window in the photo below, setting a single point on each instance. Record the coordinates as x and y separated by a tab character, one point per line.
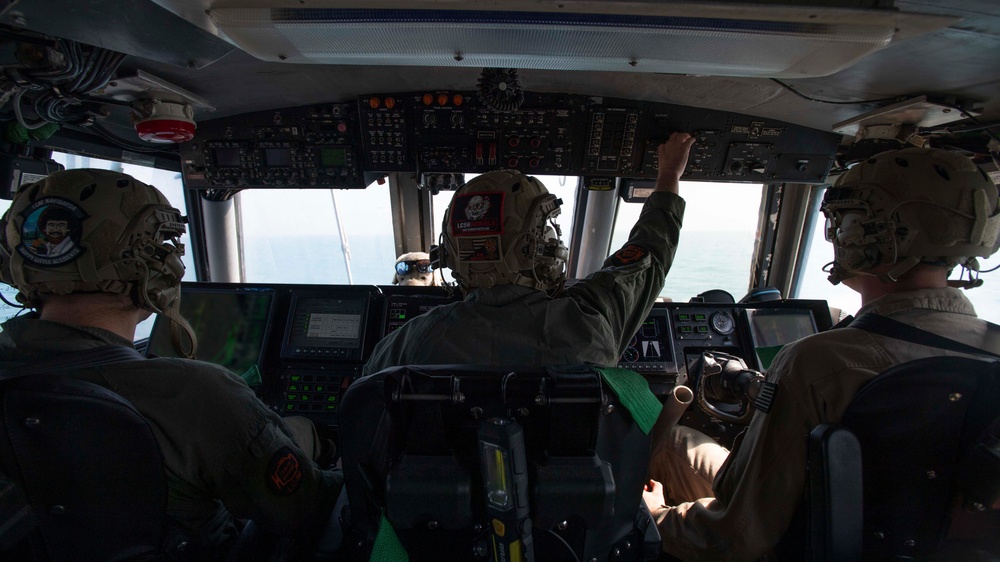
7	311
169	183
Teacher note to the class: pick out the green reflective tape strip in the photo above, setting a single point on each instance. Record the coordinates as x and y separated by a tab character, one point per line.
387	547
252	376
767	355
634	394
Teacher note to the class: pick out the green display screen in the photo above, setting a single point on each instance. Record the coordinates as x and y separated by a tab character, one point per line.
230	327
333	156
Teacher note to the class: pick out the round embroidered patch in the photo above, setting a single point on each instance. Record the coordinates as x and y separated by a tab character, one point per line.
50	232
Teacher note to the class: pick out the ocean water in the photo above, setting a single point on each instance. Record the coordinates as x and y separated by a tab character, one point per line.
704	260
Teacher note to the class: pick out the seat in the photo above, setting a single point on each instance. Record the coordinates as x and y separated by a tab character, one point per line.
82	474
915	440
410	449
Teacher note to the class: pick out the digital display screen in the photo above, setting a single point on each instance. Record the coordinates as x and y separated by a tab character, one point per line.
277	157
772	328
319	323
400	309
333	156
333	325
227	157
650	350
231	327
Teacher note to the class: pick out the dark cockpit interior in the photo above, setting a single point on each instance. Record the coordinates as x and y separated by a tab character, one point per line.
301	346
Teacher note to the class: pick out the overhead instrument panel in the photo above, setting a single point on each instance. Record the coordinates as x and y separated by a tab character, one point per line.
452	131
386	123
314	147
335	145
611	140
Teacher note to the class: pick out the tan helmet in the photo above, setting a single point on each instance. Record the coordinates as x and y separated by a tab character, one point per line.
910	206
500	229
85	231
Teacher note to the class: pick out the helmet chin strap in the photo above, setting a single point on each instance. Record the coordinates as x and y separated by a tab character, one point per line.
899	269
181	334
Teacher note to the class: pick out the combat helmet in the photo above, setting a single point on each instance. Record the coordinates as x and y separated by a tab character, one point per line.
96	231
910	206
500	229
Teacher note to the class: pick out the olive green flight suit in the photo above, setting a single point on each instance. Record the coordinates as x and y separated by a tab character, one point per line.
591	321
226	454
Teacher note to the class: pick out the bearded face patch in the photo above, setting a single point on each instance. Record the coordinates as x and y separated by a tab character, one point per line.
50	232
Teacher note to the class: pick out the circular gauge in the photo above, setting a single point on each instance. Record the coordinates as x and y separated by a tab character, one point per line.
722	322
634	342
630	355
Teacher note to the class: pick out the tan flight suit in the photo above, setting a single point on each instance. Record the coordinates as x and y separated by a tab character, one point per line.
226	454
759	488
591	321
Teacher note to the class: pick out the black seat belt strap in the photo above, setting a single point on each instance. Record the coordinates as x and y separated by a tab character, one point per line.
75	359
885	326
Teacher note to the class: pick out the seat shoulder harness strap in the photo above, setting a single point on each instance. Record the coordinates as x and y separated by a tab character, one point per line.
888	327
74	360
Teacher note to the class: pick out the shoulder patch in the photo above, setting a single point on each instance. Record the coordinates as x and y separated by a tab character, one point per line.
628	255
284	472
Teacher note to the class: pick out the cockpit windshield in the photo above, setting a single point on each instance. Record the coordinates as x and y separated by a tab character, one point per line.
716	245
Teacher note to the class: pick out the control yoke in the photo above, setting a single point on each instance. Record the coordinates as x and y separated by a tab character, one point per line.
730	391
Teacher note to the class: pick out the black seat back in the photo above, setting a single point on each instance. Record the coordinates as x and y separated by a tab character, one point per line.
410	450
920	426
89	467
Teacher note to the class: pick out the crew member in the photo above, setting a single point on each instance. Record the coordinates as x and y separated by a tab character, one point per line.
226	454
899	223
414	269
503	247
